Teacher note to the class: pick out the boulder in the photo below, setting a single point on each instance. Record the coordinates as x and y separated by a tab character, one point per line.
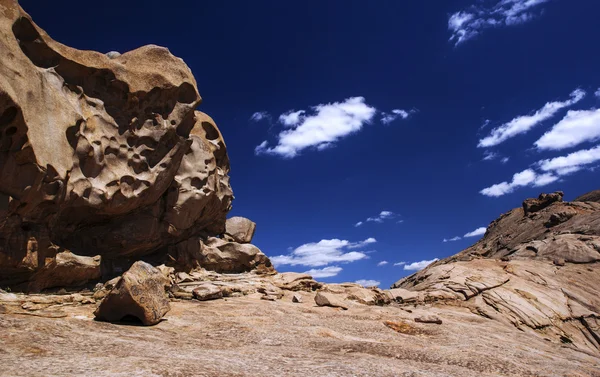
296	298
207	292
231	257
239	229
102	154
64	270
139	294
543	201
329	299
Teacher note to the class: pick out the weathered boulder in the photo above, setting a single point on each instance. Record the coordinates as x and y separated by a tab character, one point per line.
66	269
100	154
221	256
329	299
239	229
429	319
140	294
543	201
207	292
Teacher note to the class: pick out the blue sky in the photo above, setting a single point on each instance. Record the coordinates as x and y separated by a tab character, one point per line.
419	121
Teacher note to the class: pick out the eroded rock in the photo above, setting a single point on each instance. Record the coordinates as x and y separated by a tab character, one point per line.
139	294
329	299
102	154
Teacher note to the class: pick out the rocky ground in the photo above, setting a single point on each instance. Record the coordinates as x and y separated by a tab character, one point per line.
249	336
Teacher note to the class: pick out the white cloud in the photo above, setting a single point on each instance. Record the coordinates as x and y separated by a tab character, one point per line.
505	160
477	232
368	283
387	118
400	264
524	123
381	217
489	156
527	177
453	239
467	24
326	272
597	94
358	224
416	266
570	163
382	263
259	115
324	252
327	124
575	128
291	118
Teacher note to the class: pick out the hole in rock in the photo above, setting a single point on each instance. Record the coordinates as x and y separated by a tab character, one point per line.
8	116
211	131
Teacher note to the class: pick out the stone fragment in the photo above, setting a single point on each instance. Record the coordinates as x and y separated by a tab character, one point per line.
297	298
429	319
139	294
328	299
207	292
239	229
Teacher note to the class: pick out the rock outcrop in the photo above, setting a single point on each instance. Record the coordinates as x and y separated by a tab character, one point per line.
537	268
138	295
103	154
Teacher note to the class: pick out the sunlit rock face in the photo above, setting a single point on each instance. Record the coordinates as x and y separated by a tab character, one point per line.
100	154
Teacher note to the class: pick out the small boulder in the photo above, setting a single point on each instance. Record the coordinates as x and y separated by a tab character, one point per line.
297	298
239	229
429	319
140	293
207	292
328	299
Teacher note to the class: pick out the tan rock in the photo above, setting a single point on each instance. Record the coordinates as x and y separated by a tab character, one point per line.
240	229
104	154
329	299
66	269
140	293
207	291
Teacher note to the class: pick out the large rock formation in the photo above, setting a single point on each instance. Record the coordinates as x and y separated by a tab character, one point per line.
100	154
536	268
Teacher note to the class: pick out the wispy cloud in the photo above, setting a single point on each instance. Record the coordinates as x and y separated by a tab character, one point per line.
453	239
575	128
326	272
259	115
476	233
467	24
524	123
572	162
368	283
597	93
381	217
525	178
382	263
416	266
387	118
324	252
320	128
